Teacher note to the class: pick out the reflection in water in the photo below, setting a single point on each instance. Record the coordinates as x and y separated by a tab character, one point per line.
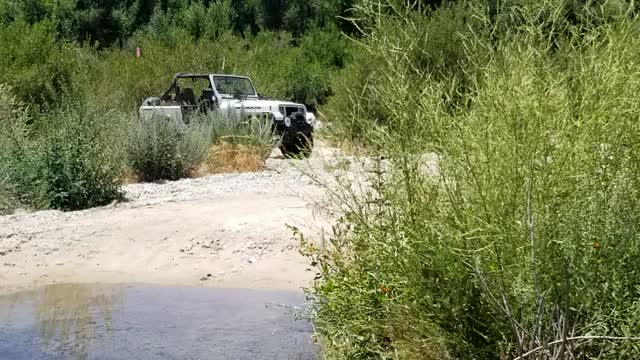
140	322
70	315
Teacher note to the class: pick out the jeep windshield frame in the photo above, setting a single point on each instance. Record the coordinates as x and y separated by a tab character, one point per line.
229	86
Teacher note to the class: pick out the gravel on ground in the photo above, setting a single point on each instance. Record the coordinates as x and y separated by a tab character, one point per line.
225	230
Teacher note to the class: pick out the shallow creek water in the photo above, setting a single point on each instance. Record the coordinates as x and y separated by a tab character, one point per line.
70	321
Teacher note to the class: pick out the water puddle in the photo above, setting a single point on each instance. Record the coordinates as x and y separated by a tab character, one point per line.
145	322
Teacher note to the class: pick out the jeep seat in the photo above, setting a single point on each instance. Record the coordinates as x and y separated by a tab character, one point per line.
187	96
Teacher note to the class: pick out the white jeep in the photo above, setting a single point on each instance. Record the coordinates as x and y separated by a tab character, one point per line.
230	94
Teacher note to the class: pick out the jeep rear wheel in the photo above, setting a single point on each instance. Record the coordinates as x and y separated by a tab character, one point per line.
299	146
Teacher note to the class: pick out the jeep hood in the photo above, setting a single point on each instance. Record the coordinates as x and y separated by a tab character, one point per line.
252	105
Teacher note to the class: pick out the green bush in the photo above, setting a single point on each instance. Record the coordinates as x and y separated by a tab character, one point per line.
77	173
160	148
209	22
40	70
326	46
71	162
7	201
522	238
12	132
356	110
307	83
430	49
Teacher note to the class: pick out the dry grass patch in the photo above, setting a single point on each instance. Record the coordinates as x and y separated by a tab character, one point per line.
225	157
130	177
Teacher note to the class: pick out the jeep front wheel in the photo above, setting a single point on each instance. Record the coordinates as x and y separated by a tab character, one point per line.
298	146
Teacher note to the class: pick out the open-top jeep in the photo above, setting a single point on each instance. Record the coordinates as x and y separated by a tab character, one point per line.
237	96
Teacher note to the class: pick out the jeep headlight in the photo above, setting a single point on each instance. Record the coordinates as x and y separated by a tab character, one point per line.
310	118
287	121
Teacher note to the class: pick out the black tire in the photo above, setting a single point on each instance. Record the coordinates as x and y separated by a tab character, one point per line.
297	147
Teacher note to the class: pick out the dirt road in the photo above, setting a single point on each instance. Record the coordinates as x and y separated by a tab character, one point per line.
226	230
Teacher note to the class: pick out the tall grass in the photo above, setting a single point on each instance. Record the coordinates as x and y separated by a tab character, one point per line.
239	144
432	53
525	244
7	203
235	129
12	130
161	148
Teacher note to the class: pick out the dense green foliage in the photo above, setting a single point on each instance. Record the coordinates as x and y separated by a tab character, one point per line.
72	67
503	219
119	80
87	49
72	162
39	68
112	22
